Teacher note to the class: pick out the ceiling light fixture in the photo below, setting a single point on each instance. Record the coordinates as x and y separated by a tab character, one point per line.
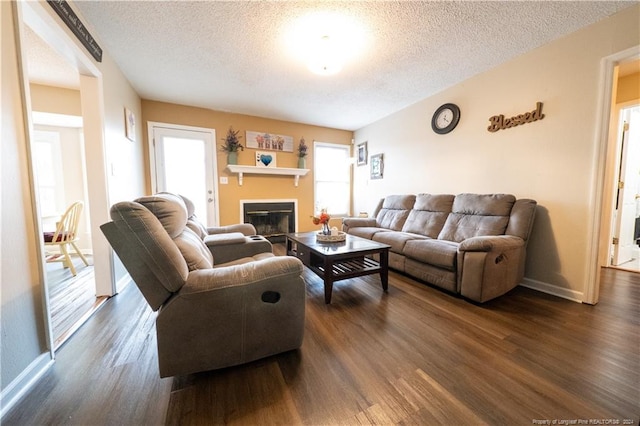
325	57
325	42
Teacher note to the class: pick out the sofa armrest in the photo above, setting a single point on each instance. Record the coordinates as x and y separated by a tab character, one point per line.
489	267
357	222
232	315
246	274
224	239
490	243
225	249
244	228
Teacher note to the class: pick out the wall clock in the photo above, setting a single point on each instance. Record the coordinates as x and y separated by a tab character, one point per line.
445	119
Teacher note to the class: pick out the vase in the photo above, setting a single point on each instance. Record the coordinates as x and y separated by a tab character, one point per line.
325	229
232	158
302	163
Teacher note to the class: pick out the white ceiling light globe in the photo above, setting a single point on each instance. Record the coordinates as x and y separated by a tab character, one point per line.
324	57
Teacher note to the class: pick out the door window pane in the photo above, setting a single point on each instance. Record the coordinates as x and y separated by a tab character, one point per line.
184	171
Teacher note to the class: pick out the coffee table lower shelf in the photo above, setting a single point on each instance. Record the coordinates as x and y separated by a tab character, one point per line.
349	268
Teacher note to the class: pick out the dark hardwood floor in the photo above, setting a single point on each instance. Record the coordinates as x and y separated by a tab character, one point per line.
413	356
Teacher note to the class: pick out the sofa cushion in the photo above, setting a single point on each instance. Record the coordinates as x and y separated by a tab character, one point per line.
191	208
139	227
475	215
394	212
192	220
196	226
429	214
194	251
366	231
169	209
521	219
438	253
248	259
484	204
396	240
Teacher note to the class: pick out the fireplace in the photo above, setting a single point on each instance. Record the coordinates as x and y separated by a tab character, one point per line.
273	219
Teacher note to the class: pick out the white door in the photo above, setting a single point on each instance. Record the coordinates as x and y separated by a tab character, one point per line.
628	187
184	162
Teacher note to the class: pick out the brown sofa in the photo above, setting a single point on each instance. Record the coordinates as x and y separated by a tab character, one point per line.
469	244
210	314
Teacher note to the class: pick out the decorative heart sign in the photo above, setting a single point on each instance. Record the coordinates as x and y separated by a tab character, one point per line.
266	159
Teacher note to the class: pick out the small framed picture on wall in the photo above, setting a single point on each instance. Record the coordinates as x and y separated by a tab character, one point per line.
362	154
130	124
377	166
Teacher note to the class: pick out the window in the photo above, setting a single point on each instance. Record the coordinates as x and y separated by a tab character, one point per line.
332	171
48	169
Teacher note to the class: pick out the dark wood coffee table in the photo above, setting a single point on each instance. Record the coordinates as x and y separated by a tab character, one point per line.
339	261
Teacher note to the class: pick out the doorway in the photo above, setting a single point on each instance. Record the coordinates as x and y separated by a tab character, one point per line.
61	180
184	162
607	165
625	252
62	82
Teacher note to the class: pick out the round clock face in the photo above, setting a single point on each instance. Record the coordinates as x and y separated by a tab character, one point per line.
445	119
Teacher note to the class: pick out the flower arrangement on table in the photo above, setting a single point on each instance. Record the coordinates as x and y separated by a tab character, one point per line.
322	219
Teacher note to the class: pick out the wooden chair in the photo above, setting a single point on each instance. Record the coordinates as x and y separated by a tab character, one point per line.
66	234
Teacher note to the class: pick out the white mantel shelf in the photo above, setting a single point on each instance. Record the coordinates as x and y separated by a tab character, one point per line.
241	170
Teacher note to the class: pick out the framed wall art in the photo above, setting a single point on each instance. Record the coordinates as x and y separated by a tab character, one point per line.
377	166
361	154
129	124
269	141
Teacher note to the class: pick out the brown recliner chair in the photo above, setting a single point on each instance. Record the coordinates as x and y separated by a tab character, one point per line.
209	316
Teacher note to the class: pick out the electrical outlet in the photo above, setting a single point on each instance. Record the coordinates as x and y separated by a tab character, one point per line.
224	180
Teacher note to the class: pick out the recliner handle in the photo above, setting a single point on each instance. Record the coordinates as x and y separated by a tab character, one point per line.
270	297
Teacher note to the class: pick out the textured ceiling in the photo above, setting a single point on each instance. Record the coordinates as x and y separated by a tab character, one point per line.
234	56
46	66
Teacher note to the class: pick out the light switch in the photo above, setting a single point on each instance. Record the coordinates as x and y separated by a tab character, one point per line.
224	180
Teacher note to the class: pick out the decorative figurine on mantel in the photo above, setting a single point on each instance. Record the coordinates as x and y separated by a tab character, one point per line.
232	145
302	154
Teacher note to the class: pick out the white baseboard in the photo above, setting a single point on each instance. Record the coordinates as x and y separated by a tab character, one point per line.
13	393
565	293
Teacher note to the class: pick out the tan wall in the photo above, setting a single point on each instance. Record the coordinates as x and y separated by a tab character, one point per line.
551	161
628	88
254	186
56	100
